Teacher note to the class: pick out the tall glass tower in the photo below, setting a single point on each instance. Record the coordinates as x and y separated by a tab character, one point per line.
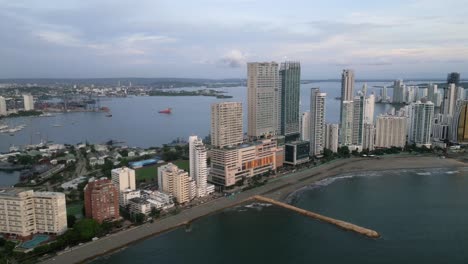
290	78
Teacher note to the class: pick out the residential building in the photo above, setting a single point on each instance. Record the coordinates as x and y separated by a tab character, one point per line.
453	77
368	137
296	152
331	137
459	129
432	93
230	165
101	198
450	99
390	131
178	183
399	91
28	102
421	123
460	96
317	121
369	106
263	98
358	120
226	124
347	89
25	212
305	126
126	195
124	178
3	106
384	94
198	165
346	128
139	206
290	79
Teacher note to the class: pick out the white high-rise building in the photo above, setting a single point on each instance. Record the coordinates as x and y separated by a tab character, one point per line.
226	124
317	121
422	115
305	126
331	137
384	94
263	99
399	91
28	102
3	107
25	212
347	85
390	131
369	107
368	137
432	93
460	94
450	100
198	166
346	128
124	178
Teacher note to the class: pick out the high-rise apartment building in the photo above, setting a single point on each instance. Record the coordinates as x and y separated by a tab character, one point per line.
422	114
390	131
290	80
369	107
178	183
3	106
347	89
317	121
432	93
331	137
263	98
358	120
450	100
346	127
459	129
28	102
305	126
368	137
384	94
399	91
226	124
453	77
101	198
198	166
25	212
124	178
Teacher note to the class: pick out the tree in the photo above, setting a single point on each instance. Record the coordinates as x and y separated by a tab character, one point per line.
155	212
71	219
344	152
139	218
87	229
327	154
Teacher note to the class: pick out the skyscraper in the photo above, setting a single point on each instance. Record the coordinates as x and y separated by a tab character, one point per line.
390	131
317	121
290	79
422	114
263	99
101	198
226	124
3	108
459	129
369	107
28	102
198	166
331	137
449	102
347	85
399	91
453	77
368	137
346	128
384	94
358	120
432	93
305	126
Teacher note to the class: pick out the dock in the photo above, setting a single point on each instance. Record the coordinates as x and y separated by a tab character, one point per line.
339	223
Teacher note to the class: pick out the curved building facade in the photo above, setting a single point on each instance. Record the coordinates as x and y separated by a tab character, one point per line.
459	133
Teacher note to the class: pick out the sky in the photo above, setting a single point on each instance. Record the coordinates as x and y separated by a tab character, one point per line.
216	38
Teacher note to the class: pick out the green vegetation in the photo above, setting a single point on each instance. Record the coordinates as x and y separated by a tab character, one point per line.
150	173
25	113
183	164
188	93
75	208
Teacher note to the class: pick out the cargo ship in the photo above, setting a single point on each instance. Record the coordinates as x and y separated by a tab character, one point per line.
166	111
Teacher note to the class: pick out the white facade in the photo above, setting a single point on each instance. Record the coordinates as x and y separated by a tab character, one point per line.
317	121
25	212
358	120
432	93
399	92
263	99
369	107
3	108
226	124
198	166
124	178
331	137
347	85
368	137
390	131
126	195
178	183
346	128
305	126
449	101
421	123
28	102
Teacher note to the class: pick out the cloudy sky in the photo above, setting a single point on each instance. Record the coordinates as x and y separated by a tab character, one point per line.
215	38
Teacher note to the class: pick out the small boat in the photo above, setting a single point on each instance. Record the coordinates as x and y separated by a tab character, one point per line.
57	125
109	115
166	111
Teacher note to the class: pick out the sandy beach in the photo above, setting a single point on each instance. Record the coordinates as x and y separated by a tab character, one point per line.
277	188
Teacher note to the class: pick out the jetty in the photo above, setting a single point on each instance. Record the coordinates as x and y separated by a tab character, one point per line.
339	223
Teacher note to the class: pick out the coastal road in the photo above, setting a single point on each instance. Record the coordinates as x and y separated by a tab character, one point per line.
277	188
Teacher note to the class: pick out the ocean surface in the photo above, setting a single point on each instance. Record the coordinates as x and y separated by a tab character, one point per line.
421	214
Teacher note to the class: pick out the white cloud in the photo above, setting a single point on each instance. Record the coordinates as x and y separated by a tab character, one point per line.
233	59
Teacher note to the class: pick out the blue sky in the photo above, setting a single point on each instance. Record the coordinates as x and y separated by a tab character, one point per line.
215	39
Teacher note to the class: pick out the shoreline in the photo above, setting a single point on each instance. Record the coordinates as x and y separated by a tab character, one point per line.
277	188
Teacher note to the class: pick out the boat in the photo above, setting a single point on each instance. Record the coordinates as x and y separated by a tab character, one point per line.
57	125
166	111
109	115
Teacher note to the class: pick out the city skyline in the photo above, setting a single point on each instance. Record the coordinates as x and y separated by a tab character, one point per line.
412	39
